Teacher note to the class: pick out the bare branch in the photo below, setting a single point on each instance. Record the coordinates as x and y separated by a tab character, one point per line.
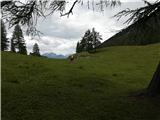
27	14
71	9
4	3
141	14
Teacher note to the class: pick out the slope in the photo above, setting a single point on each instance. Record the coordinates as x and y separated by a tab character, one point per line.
95	86
135	34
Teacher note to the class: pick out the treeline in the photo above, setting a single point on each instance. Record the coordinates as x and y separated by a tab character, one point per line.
17	42
89	41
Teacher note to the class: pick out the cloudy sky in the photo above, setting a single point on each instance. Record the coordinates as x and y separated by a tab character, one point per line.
60	34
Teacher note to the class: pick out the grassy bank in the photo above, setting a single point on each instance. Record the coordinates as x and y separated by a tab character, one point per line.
98	86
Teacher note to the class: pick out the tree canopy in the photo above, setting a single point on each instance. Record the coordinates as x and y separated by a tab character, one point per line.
89	42
35	51
17	41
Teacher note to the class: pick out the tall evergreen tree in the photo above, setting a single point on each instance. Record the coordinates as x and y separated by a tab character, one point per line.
17	41
4	39
90	41
78	48
96	39
13	45
35	50
86	41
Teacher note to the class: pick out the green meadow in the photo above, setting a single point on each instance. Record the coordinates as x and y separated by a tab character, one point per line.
100	86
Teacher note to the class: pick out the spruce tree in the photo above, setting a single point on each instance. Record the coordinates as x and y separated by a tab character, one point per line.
86	40
22	49
83	44
4	39
96	39
17	41
13	45
78	48
35	50
90	41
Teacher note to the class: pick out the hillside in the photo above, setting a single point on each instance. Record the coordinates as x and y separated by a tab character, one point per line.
97	86
135	34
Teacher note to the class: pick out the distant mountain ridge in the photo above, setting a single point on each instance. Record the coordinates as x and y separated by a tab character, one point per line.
53	55
136	34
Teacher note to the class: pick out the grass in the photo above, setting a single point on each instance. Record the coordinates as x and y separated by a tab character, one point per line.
97	86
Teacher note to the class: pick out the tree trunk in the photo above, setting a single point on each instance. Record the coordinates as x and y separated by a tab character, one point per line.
154	86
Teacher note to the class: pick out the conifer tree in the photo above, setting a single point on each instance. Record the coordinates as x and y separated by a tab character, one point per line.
86	40
4	39
12	45
35	50
22	48
96	39
17	41
90	41
78	48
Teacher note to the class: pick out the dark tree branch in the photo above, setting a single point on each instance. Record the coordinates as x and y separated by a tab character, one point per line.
27	14
141	14
4	3
71	9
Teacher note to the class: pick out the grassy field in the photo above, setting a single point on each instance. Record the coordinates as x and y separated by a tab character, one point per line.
99	86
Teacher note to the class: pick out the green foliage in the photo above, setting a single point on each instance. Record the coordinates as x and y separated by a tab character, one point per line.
35	50
98	86
17	41
89	41
13	49
4	39
78	48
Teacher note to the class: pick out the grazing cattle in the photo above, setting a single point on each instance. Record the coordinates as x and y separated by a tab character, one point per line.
71	58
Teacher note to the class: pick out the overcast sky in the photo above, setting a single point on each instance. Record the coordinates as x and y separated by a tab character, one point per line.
60	34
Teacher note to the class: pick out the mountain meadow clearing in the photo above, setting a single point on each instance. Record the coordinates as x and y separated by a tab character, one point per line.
100	86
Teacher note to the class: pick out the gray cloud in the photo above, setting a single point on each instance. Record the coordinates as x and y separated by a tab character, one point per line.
61	33
52	44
